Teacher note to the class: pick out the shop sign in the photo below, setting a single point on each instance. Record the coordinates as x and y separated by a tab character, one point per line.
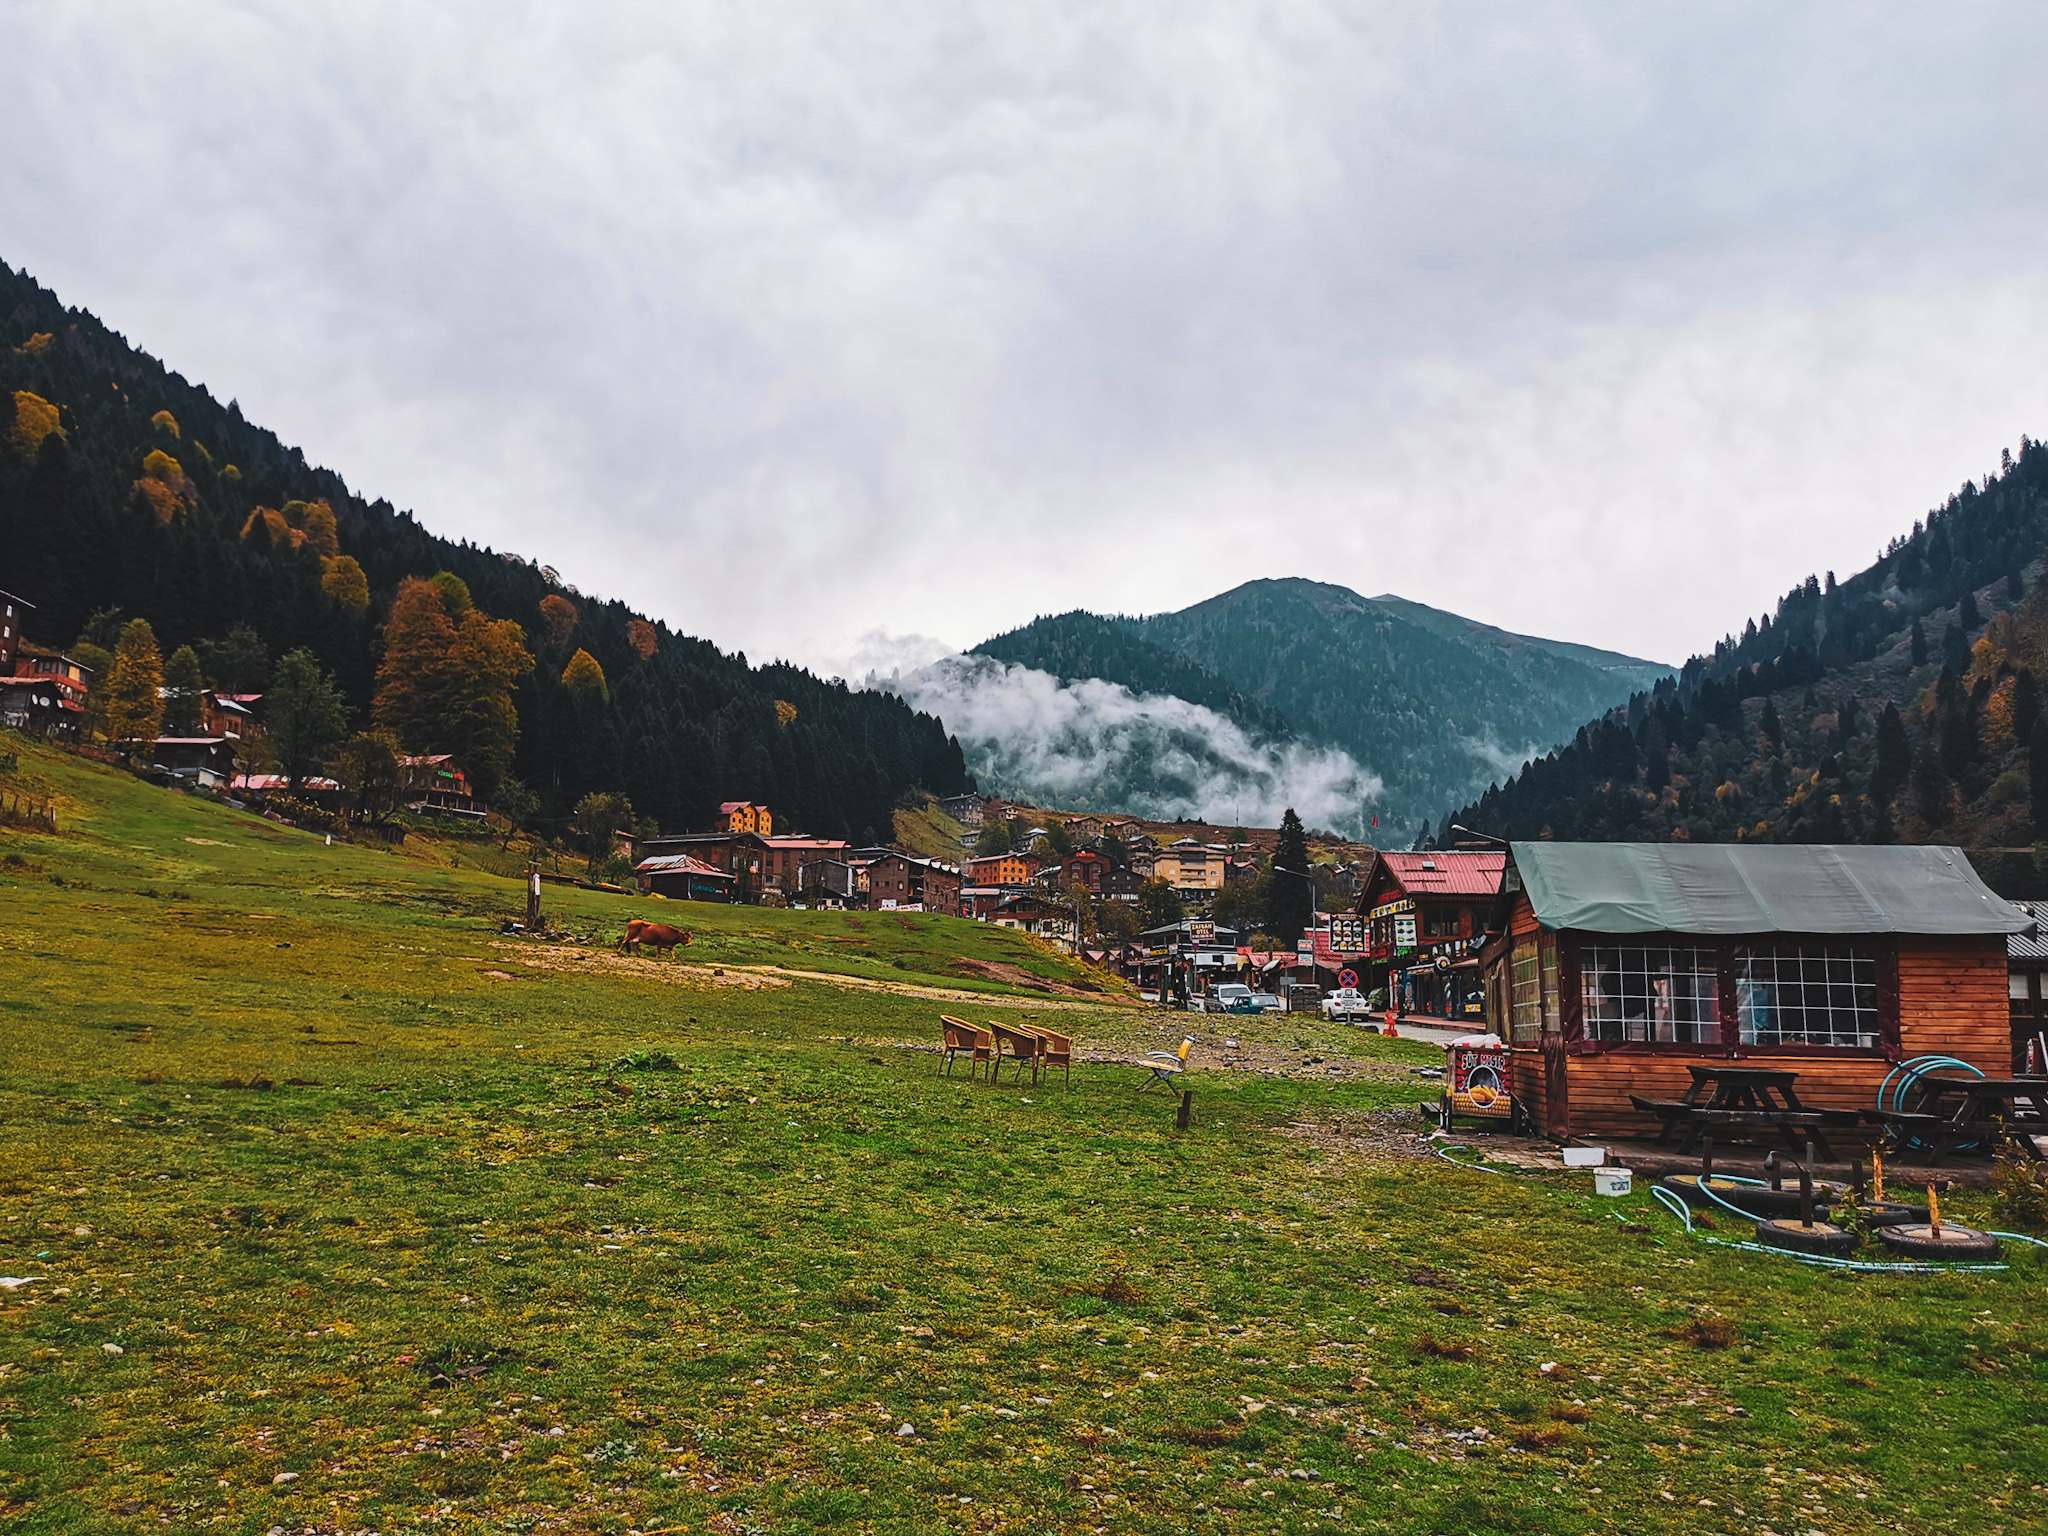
1347	933
1479	1082
1392	908
1404	934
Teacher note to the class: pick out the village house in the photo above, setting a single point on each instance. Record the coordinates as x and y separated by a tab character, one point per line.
435	783
223	714
741	855
1191	868
1087	870
682	877
1030	912
745	816
966	809
42	690
785	859
1084	830
903	880
13	611
1012	869
208	761
1615	966
1424	917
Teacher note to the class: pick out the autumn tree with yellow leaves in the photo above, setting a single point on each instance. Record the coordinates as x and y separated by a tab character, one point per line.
342	579
584	678
558	616
135	685
445	683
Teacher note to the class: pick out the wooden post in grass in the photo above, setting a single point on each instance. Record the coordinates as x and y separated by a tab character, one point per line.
1805	1196
1187	1108
533	896
1706	1157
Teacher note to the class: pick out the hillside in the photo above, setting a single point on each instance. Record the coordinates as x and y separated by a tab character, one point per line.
1432	704
127	491
1901	704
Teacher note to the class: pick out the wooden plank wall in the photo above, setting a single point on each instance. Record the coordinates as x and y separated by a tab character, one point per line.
1952	1002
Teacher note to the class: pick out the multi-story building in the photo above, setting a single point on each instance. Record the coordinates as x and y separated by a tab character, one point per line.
42	690
902	880
745	816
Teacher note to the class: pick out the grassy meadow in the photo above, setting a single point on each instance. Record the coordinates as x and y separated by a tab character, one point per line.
352	1213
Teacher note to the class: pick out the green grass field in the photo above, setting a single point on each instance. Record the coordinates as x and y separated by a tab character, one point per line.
531	1237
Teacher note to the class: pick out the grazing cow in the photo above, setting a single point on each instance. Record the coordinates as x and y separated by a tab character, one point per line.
656	936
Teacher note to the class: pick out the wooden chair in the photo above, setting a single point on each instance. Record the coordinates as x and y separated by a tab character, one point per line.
1167	1065
1054	1050
963	1039
1020	1044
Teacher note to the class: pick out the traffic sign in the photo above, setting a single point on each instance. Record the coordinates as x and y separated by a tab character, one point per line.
1348	978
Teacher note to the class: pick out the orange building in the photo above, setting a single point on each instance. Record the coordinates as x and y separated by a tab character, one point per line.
999	869
745	816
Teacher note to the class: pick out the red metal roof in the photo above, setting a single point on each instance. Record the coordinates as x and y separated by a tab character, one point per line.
1457	873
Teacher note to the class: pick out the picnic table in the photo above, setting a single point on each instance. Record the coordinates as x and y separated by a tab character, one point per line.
1744	1098
1956	1112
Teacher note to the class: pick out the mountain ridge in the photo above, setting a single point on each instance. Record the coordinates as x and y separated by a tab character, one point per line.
1297	660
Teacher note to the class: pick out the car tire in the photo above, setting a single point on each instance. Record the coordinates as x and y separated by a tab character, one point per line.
1786	1232
1953	1242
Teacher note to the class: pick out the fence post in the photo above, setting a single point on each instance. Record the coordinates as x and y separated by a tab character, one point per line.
1187	1107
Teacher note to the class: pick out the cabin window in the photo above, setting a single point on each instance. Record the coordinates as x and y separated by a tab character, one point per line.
1528	999
1553	1021
1659	993
1806	995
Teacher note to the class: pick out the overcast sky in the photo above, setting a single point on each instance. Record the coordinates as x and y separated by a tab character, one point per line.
795	322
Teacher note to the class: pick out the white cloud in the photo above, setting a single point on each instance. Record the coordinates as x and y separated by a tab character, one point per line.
1094	745
790	321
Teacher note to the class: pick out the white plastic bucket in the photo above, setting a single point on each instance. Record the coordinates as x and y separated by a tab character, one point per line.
1613	1181
1584	1157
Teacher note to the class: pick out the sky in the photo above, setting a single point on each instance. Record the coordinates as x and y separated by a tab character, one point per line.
854	334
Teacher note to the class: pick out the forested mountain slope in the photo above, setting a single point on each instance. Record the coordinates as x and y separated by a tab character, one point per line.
1902	703
124	486
1433	703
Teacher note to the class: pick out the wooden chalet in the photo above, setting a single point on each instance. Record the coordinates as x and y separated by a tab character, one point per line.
1613	966
902	880
742	855
681	877
745	816
1424	919
42	690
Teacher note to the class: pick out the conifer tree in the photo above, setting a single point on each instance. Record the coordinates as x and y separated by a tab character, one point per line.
1967	616
1933	796
1290	899
2037	775
1919	644
135	705
303	716
1772	727
1894	756
184	693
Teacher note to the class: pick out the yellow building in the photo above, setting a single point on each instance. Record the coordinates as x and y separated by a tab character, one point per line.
745	816
999	869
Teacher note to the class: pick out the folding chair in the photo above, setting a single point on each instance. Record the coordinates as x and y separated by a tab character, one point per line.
963	1039
1167	1065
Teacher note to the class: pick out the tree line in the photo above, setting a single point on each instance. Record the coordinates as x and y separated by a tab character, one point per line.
1904	704
128	493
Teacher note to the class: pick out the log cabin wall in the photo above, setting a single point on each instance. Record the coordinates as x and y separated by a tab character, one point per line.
1951	1002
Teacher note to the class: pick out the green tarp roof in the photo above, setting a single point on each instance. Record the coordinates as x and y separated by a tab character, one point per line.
1757	888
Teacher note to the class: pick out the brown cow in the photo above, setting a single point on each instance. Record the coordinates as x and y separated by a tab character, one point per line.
657	936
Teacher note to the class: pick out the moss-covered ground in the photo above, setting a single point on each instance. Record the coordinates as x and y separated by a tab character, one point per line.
590	1244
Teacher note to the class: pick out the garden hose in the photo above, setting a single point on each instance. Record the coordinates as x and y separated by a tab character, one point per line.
1670	1201
1902	1079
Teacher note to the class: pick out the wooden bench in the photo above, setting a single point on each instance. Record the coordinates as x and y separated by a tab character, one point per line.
1935	1135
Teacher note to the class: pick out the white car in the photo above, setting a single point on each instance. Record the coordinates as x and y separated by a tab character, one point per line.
1346	1003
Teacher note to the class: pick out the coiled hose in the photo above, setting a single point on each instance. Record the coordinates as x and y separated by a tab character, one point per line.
1906	1076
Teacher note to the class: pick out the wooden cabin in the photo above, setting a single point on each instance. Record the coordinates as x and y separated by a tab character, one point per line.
1612	966
1424	918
